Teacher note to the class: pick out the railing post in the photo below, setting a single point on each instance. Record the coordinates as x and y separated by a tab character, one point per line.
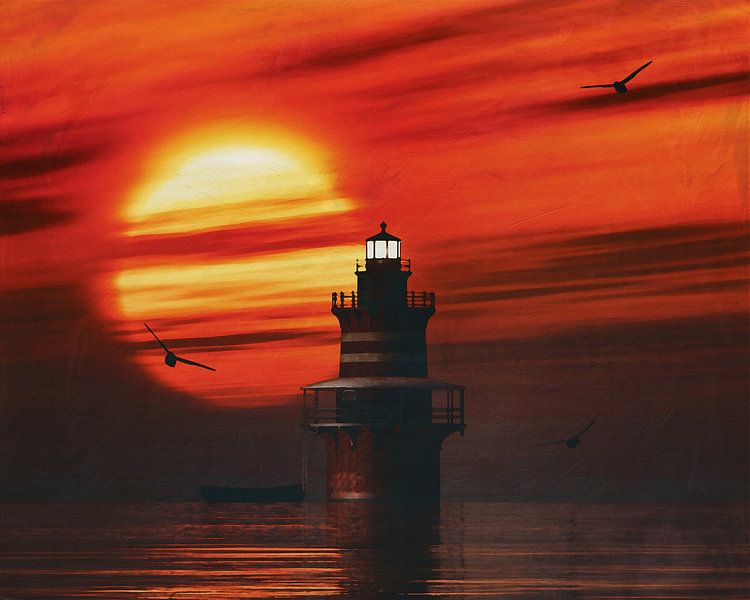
432	299
354	300
341	299
333	300
450	406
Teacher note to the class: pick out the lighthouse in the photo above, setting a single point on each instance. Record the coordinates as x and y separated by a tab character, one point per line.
383	419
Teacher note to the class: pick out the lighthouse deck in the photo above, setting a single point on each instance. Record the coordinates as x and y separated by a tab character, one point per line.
411	299
402	401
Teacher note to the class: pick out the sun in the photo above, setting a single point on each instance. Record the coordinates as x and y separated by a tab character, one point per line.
226	262
216	179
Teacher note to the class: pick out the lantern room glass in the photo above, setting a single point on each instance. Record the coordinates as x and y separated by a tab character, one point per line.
393	250
383	249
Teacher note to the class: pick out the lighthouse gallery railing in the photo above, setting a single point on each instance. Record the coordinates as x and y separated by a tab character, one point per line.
413	300
447	408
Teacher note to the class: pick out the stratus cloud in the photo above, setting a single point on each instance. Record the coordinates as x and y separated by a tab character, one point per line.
22	216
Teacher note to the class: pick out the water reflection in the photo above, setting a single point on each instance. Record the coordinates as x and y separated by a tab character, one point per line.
363	550
386	550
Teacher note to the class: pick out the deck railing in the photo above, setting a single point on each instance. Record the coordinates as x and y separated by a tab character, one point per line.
420	299
323	410
413	299
344	300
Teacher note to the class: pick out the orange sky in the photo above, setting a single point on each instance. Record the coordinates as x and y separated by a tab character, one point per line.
213	169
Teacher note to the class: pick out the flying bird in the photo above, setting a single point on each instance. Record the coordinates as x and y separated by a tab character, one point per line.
620	85
571	442
171	359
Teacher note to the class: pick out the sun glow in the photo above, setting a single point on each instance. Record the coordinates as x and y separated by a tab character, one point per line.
250	297
220	179
288	278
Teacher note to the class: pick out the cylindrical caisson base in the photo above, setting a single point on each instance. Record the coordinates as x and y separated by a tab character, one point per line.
384	462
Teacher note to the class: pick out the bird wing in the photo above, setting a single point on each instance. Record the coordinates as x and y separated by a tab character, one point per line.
157	338
551	443
599	85
192	362
585	429
638	70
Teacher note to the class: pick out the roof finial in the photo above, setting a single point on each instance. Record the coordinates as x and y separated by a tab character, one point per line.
383	225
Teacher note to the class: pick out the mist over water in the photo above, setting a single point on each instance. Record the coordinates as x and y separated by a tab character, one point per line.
362	550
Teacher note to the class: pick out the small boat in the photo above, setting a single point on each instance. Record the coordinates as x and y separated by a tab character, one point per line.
283	493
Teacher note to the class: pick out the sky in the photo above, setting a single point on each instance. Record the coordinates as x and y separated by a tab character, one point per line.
213	169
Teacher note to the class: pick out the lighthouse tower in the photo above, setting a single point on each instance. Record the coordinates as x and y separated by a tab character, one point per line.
383	420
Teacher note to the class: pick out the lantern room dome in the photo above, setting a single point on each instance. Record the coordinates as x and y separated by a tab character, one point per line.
383	234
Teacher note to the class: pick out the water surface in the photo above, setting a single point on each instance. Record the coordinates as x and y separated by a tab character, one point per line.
456	550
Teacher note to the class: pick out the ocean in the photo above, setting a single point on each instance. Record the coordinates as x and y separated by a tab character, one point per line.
364	550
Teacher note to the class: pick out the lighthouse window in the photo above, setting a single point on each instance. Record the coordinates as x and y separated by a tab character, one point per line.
370	249
392	249
380	249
